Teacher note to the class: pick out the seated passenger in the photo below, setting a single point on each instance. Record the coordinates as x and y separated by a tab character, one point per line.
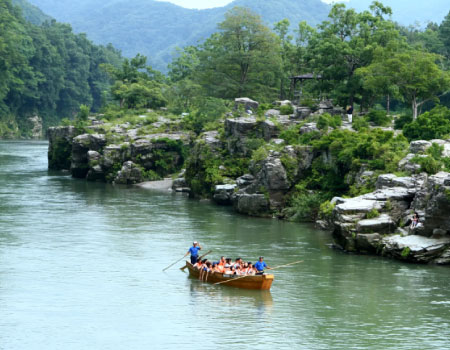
215	267
198	264
250	269
237	262
227	262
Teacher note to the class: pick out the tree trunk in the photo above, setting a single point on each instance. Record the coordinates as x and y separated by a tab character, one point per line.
388	104
414	108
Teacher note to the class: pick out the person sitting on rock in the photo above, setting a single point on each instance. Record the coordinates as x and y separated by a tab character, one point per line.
415	220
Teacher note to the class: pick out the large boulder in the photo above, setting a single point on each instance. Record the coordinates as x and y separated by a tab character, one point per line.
246	103
129	174
308	128
419	146
302	112
60	146
95	171
417	248
382	224
254	204
223	194
36	127
433	204
391	180
81	145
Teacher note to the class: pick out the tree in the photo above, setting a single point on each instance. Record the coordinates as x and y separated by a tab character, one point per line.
444	35
243	59
136	84
413	73
287	50
345	43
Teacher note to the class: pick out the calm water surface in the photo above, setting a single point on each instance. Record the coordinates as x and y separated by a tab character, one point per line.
80	268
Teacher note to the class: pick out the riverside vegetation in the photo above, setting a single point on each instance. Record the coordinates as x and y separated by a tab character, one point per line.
279	159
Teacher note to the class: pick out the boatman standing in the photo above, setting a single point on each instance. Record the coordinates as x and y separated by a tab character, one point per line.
194	252
260	266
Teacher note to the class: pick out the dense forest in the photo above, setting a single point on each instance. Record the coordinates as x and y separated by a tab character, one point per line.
47	71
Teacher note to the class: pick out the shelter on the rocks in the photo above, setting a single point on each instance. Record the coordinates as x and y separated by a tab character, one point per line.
297	82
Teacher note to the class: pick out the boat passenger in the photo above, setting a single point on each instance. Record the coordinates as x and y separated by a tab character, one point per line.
215	267
198	264
239	271
222	261
220	268
227	262
237	262
250	269
206	267
194	252
261	265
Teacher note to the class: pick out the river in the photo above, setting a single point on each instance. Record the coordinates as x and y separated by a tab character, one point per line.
81	268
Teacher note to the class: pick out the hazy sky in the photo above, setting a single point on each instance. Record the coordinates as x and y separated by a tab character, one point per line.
199	4
204	4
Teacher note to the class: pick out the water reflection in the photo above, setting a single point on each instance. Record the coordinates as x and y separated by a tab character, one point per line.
230	297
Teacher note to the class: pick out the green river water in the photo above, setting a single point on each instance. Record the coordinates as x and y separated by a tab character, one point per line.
81	268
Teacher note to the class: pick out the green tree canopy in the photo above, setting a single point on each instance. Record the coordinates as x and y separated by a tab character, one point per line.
243	59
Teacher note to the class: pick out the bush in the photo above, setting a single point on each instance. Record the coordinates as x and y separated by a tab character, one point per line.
326	210
372	214
428	164
402	120
360	123
347	151
378	117
434	124
83	114
322	123
305	206
286	110
326	120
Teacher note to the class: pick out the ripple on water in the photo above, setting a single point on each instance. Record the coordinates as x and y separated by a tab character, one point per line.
81	267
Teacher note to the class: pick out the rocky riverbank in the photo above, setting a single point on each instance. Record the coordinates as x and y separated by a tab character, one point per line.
250	162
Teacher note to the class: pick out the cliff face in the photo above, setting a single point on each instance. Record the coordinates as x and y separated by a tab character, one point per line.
381	222
119	155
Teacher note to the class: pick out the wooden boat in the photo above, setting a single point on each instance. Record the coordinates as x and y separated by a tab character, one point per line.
263	282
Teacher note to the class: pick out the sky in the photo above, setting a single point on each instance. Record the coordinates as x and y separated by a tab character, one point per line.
206	4
199	4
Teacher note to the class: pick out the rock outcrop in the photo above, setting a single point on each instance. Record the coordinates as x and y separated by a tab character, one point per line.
246	103
95	156
36	127
129	174
378	222
60	146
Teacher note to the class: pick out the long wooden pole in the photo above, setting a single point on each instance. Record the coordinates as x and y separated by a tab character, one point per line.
174	263
280	266
274	268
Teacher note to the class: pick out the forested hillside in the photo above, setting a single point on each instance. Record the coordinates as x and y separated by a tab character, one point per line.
32	13
46	71
155	28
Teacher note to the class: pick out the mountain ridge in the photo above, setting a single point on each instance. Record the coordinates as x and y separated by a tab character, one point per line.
156	28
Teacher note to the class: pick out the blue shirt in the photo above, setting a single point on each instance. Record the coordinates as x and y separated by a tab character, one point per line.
194	251
260	265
